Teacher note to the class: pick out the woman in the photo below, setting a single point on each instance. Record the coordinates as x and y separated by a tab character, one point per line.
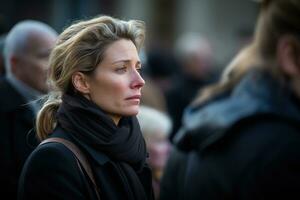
241	137
97	89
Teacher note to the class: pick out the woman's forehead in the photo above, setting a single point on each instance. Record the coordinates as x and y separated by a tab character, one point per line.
121	51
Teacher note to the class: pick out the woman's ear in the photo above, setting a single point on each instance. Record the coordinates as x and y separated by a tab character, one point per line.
288	53
80	82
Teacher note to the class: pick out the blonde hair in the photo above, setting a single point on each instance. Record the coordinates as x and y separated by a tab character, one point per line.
81	47
277	17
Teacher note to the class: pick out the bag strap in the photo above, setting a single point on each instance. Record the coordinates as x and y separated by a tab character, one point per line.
80	157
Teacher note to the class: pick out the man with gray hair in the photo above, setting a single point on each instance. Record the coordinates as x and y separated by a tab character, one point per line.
26	52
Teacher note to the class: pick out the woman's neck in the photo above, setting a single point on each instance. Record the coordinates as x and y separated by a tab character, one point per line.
115	118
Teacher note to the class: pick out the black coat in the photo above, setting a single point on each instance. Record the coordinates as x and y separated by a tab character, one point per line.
54	174
242	145
177	100
17	139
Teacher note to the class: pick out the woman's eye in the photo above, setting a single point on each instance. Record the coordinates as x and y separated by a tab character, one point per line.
139	70
121	70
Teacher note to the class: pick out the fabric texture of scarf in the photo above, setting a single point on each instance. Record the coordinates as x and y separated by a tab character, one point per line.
90	125
95	131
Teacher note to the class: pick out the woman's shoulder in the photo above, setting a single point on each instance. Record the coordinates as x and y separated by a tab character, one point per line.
51	170
51	155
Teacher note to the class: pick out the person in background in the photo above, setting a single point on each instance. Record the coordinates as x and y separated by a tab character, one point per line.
156	127
160	67
26	51
240	138
195	58
158	71
95	75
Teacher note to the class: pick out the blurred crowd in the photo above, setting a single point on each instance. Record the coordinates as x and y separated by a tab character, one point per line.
211	132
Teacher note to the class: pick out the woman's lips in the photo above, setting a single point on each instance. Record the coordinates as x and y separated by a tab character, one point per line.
135	97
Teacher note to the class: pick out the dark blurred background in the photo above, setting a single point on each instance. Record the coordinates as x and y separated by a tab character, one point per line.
188	42
228	24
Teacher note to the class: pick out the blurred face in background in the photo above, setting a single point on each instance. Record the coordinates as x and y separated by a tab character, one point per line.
31	67
115	86
159	148
199	63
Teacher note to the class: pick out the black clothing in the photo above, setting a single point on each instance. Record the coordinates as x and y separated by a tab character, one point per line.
180	96
243	144
116	154
85	120
17	137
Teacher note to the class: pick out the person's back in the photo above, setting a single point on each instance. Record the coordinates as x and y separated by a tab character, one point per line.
26	51
238	148
241	137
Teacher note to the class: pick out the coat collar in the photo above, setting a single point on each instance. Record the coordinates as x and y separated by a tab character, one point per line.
257	93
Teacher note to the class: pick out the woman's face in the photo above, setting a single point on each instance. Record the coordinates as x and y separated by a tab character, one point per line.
116	83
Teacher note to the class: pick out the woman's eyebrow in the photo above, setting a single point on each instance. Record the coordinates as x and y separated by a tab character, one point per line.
125	61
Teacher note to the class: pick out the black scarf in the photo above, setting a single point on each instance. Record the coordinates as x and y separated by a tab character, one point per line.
89	125
94	130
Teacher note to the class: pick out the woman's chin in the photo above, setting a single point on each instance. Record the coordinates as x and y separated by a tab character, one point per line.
132	111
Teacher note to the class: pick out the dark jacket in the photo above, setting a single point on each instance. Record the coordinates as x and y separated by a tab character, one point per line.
243	144
56	164
17	139
177	100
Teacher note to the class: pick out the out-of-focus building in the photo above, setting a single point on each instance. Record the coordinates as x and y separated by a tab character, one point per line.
165	19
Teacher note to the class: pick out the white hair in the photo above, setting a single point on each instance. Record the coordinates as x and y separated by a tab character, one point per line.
191	42
17	39
153	122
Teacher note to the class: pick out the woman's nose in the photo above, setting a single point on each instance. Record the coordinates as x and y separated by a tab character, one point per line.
138	81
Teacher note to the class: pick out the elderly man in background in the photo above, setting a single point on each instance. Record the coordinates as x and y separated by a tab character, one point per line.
26	51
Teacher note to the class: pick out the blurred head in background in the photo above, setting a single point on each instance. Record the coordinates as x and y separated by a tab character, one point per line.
156	127
195	56
275	48
26	52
